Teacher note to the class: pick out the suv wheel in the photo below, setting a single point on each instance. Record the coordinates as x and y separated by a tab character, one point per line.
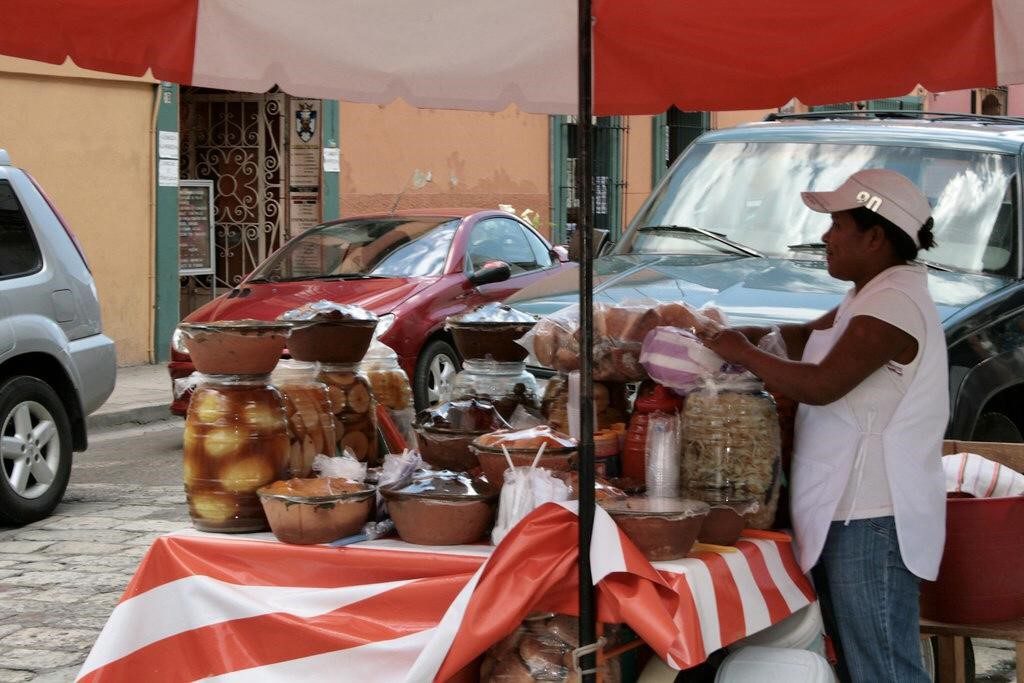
35	450
435	371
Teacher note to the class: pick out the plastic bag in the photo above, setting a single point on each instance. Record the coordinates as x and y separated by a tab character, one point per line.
345	466
541	649
525	489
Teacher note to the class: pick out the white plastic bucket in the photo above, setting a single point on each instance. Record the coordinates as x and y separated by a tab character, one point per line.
758	664
802	630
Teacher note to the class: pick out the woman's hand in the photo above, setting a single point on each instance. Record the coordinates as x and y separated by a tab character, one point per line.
730	344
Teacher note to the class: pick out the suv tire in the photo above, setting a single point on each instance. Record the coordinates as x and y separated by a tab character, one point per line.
436	366
36	434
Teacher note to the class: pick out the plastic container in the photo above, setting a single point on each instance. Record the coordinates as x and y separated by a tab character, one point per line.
731	442
307	403
308	511
651	398
662	528
506	385
442	508
802	630
981	578
236	440
355	410
759	664
235	347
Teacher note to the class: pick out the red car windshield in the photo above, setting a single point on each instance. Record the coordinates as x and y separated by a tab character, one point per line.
362	248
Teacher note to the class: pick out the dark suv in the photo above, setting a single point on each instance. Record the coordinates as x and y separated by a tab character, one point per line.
727	227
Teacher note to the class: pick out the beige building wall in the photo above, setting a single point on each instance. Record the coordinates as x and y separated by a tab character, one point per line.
637	165
88	142
474	159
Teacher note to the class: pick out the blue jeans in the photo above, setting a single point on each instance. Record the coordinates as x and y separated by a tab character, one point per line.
869	600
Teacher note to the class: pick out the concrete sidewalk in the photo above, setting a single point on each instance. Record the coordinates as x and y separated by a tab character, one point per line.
142	394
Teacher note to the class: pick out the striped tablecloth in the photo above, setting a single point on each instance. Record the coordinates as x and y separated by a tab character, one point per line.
247	608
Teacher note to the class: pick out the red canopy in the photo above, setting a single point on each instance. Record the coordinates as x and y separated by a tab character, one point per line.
486	54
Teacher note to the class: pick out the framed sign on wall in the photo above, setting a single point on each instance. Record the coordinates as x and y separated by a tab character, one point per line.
196	248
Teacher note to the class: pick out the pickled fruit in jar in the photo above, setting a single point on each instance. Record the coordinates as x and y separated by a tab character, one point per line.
311	424
236	440
355	411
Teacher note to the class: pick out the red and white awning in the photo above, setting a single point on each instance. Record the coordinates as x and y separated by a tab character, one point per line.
487	54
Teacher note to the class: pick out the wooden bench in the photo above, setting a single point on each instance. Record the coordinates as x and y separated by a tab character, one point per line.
951	659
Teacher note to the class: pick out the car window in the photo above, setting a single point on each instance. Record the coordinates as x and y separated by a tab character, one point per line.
541	251
360	248
749	192
501	239
20	253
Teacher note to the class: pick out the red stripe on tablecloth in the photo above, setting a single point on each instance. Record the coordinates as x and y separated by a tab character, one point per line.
255	563
268	639
777	607
731	622
799	578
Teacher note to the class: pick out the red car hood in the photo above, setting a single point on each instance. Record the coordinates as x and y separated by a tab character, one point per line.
266	301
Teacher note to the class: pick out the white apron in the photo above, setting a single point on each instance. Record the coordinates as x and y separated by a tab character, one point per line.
829	441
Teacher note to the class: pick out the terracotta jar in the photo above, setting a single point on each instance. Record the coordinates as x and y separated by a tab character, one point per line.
236	440
355	410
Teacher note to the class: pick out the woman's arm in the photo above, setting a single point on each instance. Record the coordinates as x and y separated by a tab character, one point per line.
866	345
794	334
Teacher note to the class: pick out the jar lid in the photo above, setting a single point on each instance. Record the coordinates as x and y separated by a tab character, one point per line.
290	369
442	485
643	506
324	311
244	326
492	314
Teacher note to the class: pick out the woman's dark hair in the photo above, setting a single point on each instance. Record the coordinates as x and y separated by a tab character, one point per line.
901	242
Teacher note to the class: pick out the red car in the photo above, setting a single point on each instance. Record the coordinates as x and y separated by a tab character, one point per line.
412	268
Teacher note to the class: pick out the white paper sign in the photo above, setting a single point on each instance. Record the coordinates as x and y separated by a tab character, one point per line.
167	173
332	160
167	144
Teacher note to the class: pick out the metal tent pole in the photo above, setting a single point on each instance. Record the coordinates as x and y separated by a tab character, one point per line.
588	613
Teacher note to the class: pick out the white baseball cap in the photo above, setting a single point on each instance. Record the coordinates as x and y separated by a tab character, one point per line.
889	194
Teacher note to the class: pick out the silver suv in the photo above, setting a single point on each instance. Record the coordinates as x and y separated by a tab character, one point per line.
56	365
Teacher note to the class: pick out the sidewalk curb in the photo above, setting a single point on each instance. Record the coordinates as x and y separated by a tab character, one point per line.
128	417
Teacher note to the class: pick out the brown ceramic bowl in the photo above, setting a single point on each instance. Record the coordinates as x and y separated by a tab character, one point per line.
662	529
438	518
492	460
727	518
235	347
447	449
344	341
306	520
490	341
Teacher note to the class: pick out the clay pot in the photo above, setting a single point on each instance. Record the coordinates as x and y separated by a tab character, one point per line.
490	341
344	341
727	518
447	449
235	347
661	528
321	518
492	460
428	516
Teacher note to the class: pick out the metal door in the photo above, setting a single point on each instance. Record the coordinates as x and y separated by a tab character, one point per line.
237	141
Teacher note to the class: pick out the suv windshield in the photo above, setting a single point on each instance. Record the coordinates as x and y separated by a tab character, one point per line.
380	247
749	192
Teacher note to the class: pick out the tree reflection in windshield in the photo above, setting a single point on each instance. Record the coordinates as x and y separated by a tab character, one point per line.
750	192
381	247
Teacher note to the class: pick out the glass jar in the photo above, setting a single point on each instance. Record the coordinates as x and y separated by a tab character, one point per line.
355	410
507	385
391	389
610	403
731	443
236	440
310	415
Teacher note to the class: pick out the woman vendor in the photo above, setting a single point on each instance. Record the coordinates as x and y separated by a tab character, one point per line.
868	493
